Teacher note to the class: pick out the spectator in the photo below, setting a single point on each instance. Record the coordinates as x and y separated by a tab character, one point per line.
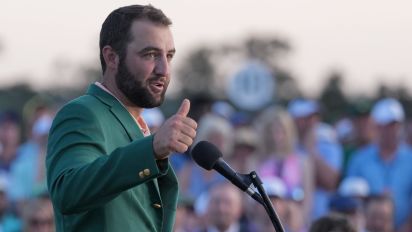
224	209
28	171
349	207
277	192
186	219
9	140
283	160
244	155
388	162
349	201
319	141
8	221
363	129
329	223
379	210
38	216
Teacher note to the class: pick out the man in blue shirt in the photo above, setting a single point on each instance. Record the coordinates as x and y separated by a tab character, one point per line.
386	166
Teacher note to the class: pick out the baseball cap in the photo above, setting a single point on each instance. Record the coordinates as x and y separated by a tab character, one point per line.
388	110
42	125
274	187
246	136
354	187
344	204
300	108
223	109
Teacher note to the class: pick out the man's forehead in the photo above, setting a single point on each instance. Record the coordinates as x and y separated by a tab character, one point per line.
149	34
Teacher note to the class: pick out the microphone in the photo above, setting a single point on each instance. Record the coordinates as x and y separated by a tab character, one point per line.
208	156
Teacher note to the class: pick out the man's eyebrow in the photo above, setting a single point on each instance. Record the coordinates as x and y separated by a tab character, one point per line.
150	49
172	51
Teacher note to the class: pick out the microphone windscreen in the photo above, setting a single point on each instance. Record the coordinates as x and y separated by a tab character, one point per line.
206	154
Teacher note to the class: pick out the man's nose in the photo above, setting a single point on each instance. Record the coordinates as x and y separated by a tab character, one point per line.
162	66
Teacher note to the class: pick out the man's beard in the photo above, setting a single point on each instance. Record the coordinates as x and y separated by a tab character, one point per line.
135	90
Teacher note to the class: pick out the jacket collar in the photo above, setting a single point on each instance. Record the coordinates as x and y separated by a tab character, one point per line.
118	110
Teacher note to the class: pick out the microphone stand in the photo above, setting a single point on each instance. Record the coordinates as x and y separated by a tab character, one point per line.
267	204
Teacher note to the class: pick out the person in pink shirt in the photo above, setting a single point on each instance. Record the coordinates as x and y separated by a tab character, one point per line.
280	158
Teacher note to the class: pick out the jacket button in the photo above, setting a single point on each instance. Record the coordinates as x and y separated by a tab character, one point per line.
157	206
146	172
141	174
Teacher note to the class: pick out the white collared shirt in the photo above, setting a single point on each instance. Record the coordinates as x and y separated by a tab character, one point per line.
139	121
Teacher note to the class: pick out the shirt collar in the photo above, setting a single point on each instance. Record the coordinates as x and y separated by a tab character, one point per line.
139	121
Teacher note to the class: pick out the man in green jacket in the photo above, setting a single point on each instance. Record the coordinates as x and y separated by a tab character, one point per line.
105	171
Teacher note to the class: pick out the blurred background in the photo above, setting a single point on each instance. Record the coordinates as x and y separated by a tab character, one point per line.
254	65
359	48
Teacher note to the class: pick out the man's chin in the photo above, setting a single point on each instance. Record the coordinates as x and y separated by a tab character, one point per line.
157	99
154	102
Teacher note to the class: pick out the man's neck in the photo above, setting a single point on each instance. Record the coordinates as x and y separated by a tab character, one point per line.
388	152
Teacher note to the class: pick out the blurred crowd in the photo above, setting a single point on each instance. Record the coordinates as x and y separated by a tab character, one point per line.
24	201
355	173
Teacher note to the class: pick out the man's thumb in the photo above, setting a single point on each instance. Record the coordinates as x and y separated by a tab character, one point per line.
184	108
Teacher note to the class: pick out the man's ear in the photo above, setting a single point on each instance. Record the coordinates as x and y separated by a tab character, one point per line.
110	57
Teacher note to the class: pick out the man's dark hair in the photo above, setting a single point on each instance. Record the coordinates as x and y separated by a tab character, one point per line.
332	223
115	30
9	116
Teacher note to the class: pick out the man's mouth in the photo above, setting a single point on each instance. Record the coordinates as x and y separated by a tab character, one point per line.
157	87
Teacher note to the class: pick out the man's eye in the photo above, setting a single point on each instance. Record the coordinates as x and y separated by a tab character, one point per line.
170	56
150	55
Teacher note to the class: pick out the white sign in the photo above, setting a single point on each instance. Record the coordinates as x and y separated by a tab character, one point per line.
252	87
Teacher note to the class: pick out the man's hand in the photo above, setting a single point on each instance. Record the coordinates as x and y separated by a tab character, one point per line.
176	134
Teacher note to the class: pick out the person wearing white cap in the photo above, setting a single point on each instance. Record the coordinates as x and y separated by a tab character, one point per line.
319	141
349	200
354	187
387	165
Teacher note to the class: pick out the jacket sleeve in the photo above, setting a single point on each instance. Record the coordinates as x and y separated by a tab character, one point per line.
80	175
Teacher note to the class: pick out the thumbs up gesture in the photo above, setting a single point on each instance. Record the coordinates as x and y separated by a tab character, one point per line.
176	134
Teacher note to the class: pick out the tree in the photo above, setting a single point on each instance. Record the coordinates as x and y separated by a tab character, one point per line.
205	70
14	97
333	99
197	73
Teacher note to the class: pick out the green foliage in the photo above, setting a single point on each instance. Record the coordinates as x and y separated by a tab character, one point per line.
14	97
333	99
200	74
197	74
201	78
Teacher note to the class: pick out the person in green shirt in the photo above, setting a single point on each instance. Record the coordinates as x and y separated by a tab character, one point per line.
105	171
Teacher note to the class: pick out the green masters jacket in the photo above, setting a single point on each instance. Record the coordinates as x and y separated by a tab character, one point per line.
101	171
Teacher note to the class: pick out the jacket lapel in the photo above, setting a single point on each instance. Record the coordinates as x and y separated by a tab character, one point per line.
117	109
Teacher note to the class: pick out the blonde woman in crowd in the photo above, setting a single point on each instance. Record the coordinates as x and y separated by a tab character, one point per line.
280	159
